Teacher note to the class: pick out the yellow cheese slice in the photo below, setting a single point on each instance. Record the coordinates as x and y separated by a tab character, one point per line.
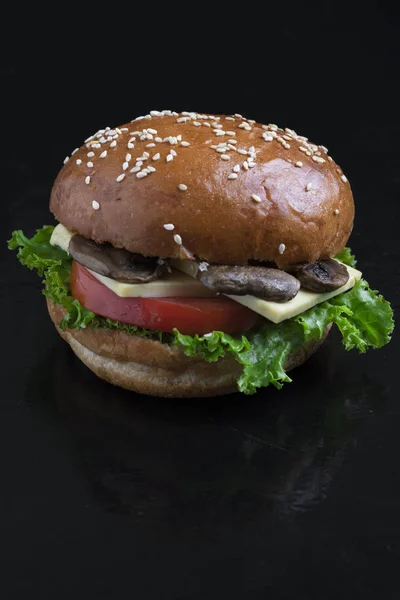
61	237
170	284
182	282
275	311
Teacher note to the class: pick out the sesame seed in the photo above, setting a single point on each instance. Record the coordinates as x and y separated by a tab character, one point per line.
146	155
130	145
302	149
155	113
76	150
251	164
90	154
232	142
330	158
299	163
169	158
146	171
344	178
229	119
183	119
88	139
245	165
171	139
95	205
87	180
216	125
225	157
103	154
124	129
141	174
268	138
185	144
287	137
150	169
153	131
172	151
219	132
89	164
236	169
336	211
169	227
309	187
196	124
66	159
113	144
156	156
78	161
128	157
252	149
282	248
256	198
241	151
125	166
318	159
96	146
178	239
182	187
151	145
206	124
238	116
325	149
139	162
120	177
232	176
135	170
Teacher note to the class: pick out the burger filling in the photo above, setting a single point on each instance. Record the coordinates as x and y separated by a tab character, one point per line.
258	313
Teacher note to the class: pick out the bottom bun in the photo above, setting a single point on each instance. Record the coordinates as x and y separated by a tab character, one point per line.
149	367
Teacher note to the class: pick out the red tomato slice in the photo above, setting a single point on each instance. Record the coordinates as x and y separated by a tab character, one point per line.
188	315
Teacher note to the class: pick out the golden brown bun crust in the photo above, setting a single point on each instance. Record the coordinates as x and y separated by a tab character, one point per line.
149	367
216	217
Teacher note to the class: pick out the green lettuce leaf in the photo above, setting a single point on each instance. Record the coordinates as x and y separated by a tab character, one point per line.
363	317
54	264
345	256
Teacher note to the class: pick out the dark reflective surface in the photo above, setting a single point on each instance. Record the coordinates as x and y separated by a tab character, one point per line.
291	494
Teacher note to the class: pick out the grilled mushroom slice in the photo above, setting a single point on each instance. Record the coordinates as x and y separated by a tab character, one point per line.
262	282
322	276
118	263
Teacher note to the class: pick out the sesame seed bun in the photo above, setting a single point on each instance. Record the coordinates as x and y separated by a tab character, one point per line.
149	367
230	190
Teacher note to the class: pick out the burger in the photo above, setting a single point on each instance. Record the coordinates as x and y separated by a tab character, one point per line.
199	254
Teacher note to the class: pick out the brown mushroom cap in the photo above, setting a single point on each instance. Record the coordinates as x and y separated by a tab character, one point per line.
294	205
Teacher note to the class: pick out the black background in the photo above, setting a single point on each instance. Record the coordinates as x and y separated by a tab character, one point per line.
291	494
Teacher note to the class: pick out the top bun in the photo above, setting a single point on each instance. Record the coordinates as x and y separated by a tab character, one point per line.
233	190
